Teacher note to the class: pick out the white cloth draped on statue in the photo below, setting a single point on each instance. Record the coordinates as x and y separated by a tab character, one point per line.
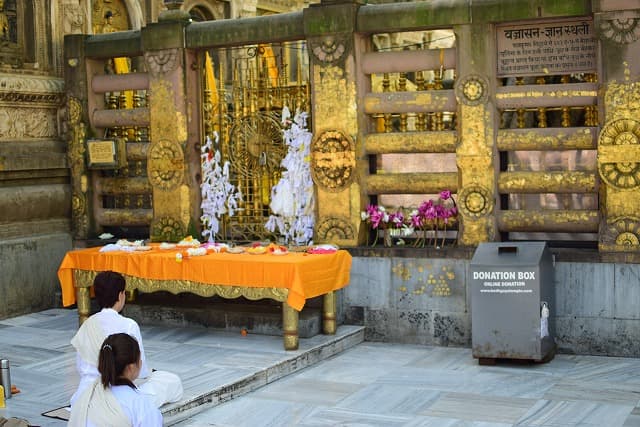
161	387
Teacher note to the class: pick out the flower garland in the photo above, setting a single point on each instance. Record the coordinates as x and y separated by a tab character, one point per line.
219	196
292	198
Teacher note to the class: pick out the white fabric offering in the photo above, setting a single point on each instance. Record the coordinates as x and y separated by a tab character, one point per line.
161	387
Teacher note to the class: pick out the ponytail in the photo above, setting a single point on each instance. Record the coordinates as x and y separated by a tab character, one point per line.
117	352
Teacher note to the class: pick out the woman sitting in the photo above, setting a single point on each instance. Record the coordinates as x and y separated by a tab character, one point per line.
113	399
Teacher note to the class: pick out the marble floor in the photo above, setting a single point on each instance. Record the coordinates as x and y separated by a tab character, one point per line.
214	366
401	385
362	384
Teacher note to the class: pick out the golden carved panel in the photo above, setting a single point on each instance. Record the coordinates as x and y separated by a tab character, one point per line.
334	99
165	164
411	142
545	139
622	100
474	140
618	154
166	121
474	157
334	94
333	160
560	94
547	182
84	278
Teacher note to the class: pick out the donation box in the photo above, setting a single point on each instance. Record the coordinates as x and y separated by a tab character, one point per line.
511	302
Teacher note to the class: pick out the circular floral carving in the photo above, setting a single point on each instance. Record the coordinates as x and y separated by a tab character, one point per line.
257	146
472	90
475	201
331	229
333	160
165	165
620	175
167	229
329	48
623	231
623	31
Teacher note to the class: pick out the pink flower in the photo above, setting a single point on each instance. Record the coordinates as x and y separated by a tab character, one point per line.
397	219
445	195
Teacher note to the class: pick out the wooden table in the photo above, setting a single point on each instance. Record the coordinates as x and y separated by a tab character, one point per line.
291	279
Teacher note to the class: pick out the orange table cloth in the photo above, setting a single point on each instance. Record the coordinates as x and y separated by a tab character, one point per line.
305	275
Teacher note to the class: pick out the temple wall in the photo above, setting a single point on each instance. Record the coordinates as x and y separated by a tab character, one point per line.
35	196
596	303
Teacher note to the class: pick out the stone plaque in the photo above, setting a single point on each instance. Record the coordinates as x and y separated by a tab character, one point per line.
548	47
102	153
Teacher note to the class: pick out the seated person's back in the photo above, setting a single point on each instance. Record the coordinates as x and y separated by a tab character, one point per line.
109	290
113	399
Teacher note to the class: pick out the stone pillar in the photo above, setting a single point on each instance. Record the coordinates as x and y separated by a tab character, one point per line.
173	157
74	126
619	139
476	155
329	29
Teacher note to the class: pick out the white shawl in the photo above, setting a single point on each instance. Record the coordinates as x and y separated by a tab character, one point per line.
88	340
99	406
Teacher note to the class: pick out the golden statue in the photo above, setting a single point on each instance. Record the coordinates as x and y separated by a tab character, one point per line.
4	23
108	26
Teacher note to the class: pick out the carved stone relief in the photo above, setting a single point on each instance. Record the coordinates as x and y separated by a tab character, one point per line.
622	28
24	123
472	90
330	48
162	62
332	229
73	19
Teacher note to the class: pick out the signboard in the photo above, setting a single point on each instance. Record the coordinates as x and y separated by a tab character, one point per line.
505	282
103	153
550	47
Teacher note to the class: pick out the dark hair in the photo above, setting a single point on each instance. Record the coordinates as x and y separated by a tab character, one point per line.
107	286
117	352
108	15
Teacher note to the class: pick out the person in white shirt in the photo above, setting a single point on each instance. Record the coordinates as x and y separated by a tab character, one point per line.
162	387
113	399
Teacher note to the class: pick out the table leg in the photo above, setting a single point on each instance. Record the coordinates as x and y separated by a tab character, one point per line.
84	304
329	313
131	295
290	327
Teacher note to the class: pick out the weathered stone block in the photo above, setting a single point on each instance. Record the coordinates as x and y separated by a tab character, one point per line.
28	282
584	289
626	291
